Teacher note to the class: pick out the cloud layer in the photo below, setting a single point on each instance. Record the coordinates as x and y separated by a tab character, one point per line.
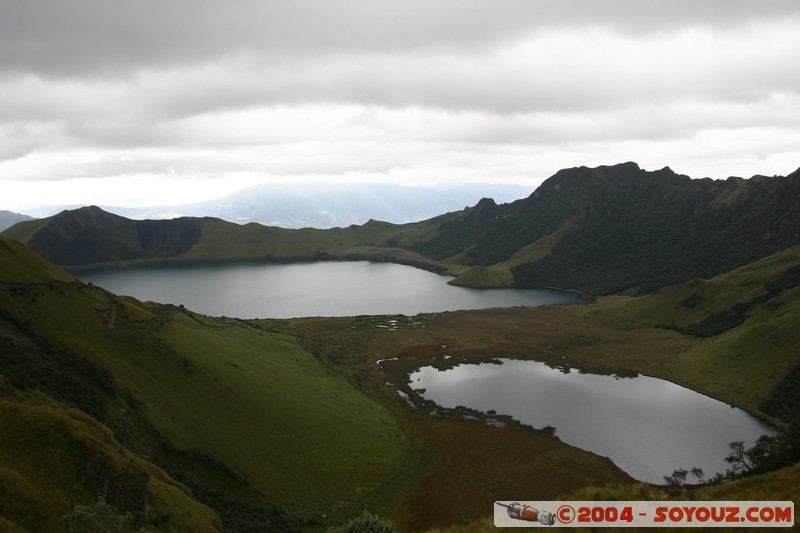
227	94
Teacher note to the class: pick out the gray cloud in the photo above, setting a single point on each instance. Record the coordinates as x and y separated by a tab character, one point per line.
91	37
395	89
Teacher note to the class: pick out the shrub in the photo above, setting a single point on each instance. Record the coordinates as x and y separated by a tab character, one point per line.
366	523
98	518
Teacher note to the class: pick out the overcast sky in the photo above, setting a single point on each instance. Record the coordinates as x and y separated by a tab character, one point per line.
165	102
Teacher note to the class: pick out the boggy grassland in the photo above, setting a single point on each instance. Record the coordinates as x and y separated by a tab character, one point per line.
455	463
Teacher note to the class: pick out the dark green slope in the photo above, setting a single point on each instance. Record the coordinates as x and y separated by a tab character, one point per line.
653	229
91	235
611	228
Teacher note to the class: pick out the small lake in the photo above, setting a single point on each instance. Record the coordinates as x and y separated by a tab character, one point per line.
329	288
649	427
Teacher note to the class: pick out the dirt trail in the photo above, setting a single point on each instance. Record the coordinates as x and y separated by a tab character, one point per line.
111	312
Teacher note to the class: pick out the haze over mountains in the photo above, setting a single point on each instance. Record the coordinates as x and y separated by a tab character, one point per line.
325	205
9	218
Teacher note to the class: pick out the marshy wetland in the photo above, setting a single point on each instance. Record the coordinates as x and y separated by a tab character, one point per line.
461	456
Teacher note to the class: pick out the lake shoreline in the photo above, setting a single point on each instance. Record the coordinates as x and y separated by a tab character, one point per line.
255	289
418	394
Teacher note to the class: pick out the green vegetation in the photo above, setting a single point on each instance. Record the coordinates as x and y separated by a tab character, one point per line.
296	422
769	453
366	523
206	399
481	276
54	457
98	518
21	266
751	361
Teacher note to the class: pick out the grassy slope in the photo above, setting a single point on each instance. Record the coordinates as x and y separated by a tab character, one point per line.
500	274
23	231
269	410
254	400
52	457
21	266
742	365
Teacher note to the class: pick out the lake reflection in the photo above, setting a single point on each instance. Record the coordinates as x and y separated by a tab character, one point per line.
649	427
258	290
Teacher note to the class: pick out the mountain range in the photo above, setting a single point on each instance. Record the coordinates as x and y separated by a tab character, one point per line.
9	218
596	230
324	205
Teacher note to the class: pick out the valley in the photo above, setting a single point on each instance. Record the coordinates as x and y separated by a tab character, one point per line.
195	423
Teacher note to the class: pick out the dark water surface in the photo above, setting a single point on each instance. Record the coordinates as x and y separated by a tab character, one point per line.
649	427
257	290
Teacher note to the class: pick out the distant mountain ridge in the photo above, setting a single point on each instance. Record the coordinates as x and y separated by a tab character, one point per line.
597	230
329	205
9	218
325	205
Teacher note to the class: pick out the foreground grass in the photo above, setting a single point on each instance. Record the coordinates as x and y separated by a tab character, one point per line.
253	401
53	456
268	409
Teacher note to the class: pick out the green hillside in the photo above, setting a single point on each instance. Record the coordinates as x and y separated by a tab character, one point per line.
19	265
199	397
744	324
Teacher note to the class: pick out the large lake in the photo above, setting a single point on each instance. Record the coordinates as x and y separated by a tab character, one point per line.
330	288
649	427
